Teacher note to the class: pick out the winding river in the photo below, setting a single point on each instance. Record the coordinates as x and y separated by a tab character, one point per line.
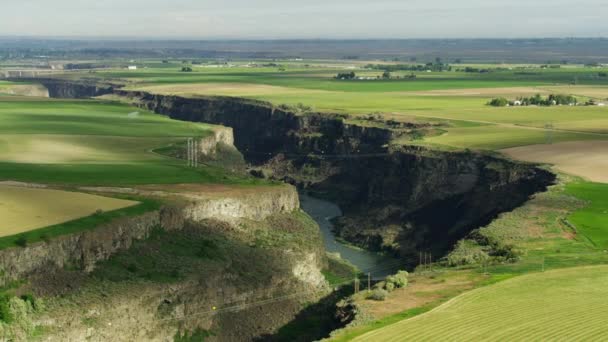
322	212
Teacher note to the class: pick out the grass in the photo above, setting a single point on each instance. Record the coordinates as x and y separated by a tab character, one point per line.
88	142
404	99
538	232
567	304
78	225
25	209
592	220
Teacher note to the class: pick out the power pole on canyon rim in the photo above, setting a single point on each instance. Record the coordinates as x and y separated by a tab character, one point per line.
189	151
195	152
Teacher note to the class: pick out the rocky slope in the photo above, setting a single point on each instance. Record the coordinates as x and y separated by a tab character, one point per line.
404	200
163	273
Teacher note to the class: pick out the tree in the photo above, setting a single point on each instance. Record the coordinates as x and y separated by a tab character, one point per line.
499	102
346	76
186	69
386	75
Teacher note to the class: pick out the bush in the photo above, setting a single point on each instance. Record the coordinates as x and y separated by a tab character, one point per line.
21	241
397	280
389	287
467	252
499	102
6	315
378	294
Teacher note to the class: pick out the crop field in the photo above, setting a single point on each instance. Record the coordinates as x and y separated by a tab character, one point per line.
588	159
568	304
451	97
23	209
89	142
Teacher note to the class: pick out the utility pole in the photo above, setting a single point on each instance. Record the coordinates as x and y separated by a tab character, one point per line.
543	265
188	151
195	153
356	284
369	281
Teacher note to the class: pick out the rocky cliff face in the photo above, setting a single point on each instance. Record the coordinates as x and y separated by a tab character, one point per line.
416	200
257	247
261	131
403	200
412	199
81	250
58	88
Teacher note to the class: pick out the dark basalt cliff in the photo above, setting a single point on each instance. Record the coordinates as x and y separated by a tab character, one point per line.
403	200
59	88
262	131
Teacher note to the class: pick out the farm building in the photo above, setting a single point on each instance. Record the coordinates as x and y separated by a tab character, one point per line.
132	67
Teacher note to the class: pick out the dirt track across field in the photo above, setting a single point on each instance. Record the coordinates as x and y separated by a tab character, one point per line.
588	159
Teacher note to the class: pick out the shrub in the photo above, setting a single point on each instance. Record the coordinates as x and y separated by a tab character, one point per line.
29	298
378	294
44	237
467	252
389	287
6	315
499	102
397	280
21	241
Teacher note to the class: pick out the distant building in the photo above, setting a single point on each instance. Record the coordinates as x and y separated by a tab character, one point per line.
517	103
132	67
601	104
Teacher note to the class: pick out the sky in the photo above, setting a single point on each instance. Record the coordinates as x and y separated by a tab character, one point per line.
280	19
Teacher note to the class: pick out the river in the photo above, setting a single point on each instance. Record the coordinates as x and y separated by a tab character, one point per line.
322	212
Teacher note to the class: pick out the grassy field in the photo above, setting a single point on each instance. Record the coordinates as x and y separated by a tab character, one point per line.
540	236
70	143
567	304
447	96
591	222
25	209
87	142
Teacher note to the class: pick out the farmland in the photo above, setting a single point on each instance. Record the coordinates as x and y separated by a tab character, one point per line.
536	258
84	142
451	98
68	144
567	304
24	209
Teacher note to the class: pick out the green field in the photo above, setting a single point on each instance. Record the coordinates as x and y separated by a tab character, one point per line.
449	97
87	142
591	221
568	304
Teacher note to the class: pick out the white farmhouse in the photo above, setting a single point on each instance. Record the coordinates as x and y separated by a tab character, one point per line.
132	67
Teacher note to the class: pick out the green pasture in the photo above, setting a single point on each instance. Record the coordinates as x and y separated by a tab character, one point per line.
567	304
430	96
89	117
87	142
592	220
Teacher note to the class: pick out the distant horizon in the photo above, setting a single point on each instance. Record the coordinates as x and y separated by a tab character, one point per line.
280	19
237	39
